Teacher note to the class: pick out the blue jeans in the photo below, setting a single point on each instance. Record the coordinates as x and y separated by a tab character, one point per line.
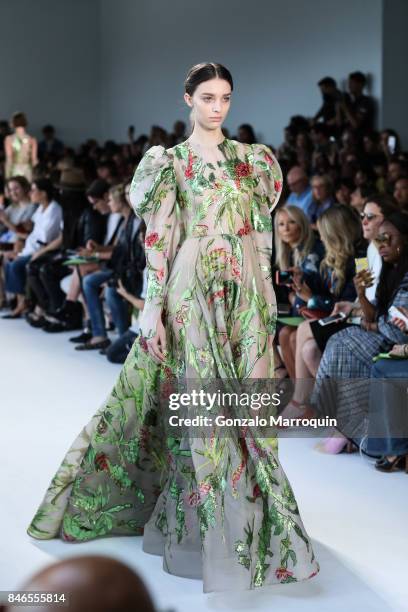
91	285
119	308
388	407
16	274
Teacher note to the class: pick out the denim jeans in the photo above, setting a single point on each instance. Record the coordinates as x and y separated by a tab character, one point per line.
16	274
91	285
119	309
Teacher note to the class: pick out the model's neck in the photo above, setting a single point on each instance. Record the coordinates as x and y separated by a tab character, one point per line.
206	138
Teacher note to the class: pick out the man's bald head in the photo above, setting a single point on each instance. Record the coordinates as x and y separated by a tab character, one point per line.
297	180
92	584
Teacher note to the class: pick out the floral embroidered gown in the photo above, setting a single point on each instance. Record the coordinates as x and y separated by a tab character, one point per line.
216	507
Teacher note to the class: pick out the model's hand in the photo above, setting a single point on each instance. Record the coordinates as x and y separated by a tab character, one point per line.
157	344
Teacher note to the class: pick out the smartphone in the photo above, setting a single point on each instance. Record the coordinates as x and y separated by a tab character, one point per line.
396	312
332	319
392	143
283	278
361	263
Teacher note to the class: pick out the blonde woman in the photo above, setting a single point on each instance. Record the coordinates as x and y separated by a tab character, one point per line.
299	251
339	230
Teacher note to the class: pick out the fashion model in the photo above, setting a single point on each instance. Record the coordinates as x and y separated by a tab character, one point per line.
216	507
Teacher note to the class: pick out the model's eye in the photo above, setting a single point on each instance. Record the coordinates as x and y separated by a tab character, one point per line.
207	99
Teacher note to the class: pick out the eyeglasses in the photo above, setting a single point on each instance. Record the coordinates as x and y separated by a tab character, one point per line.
368	216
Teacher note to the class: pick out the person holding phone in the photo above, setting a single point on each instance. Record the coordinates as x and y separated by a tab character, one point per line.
342	380
298	256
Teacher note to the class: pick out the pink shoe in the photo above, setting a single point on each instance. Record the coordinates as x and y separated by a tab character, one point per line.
334	445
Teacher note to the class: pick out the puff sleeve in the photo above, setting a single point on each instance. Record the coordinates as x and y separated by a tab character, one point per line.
153	195
266	194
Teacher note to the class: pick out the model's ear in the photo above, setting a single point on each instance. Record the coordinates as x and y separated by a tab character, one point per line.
187	99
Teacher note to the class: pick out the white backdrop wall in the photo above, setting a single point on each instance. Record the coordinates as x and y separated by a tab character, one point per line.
49	64
276	50
92	67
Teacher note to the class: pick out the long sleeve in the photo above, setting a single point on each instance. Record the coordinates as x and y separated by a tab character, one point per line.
268	176
153	195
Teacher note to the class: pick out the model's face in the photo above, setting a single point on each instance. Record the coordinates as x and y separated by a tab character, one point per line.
211	102
289	230
371	220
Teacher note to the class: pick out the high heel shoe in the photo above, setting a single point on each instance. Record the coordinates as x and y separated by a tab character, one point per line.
400	462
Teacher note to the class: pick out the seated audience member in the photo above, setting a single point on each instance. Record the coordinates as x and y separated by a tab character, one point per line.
349	354
47	221
46	268
396	171
359	197
297	250
70	314
93	583
179	133
401	193
375	211
338	232
301	192
343	190
18	214
388	408
357	108
119	349
50	148
246	134
93	282
322	191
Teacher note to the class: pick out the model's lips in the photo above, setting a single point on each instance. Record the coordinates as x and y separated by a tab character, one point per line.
215	118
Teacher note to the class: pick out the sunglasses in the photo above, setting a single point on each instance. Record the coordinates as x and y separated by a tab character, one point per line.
368	216
383	239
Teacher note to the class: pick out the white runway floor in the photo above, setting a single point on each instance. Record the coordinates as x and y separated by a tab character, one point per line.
356	516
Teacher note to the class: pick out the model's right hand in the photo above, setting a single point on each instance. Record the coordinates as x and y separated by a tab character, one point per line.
157	344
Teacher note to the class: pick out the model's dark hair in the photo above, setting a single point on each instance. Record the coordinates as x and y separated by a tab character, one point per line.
205	72
19	120
391	275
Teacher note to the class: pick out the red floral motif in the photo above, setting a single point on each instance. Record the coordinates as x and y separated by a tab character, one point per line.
204	488
101	462
237	183
143	344
260	452
160	274
278	185
194	499
66	537
216	294
242	170
256	491
282	573
313	574
144	438
188	172
269	160
246	229
151	239
181	314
